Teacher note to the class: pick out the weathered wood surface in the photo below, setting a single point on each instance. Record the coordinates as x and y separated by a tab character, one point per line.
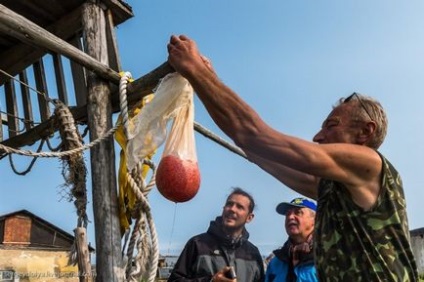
41	85
26	101
78	76
62	18
84	263
109	266
15	59
60	78
9	21
136	91
12	110
34	35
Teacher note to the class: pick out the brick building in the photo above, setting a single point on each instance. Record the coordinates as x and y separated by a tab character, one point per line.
32	249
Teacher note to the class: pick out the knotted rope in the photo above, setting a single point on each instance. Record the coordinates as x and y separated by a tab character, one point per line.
75	176
74	170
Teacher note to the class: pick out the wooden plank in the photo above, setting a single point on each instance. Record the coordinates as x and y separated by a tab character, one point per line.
83	253
41	85
19	27
12	108
121	10
23	55
26	101
112	42
2	118
60	78
136	91
103	173
79	77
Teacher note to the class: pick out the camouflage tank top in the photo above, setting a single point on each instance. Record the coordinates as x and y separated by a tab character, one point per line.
356	245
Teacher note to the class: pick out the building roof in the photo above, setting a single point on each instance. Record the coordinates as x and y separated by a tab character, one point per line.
66	239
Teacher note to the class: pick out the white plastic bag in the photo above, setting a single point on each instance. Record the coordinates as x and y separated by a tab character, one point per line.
147	131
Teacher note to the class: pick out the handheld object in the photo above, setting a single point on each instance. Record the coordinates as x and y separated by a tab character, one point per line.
231	274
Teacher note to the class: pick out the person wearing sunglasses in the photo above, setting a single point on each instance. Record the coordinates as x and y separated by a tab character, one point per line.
361	225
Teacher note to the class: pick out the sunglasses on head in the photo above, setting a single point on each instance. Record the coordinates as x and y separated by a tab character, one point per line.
347	99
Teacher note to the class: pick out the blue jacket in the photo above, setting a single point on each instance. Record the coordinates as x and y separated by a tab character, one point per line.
278	268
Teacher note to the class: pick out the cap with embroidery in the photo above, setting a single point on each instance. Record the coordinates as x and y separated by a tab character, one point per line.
282	208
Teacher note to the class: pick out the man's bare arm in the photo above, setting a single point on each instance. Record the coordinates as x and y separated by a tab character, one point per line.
356	166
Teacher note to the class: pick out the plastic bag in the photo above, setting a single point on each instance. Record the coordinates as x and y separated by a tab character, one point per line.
147	130
177	176
127	198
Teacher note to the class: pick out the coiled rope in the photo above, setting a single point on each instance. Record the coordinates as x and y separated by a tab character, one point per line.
147	258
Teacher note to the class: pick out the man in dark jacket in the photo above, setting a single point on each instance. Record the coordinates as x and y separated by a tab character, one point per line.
223	253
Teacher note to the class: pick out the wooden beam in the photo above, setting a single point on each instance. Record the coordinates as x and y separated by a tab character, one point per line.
12	108
15	59
60	78
109	266
114	60
121	10
2	120
83	254
26	101
136	91
52	42
41	84
26	31
78	76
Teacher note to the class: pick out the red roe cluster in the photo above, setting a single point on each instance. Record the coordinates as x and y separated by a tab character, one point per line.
177	180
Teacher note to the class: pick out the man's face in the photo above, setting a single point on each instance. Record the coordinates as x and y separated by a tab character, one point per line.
235	213
299	222
338	127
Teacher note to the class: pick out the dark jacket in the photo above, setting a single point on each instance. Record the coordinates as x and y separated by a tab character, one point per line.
209	252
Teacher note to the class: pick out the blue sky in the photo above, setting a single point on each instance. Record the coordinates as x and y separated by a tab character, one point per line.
291	61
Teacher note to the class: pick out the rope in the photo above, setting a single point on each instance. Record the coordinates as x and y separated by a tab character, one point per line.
123	83
139	238
30	165
66	153
10	150
154	250
19	118
72	145
26	85
74	170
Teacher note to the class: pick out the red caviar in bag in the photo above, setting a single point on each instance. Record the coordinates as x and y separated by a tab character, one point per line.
177	180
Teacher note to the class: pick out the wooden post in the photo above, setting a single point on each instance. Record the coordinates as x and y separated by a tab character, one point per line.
105	204
84	264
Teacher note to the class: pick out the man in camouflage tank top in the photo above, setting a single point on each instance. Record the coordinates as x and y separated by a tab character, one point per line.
361	231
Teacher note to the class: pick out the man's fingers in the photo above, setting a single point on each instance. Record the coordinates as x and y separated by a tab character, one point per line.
177	39
184	38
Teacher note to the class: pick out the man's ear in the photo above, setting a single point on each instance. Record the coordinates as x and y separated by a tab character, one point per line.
250	217
366	132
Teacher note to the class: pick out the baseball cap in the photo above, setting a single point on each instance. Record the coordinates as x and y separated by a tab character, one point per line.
283	207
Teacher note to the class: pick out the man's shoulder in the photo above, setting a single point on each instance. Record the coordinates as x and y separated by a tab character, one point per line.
199	236
204	238
252	246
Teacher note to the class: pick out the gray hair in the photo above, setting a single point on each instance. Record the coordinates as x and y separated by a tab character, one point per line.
366	108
